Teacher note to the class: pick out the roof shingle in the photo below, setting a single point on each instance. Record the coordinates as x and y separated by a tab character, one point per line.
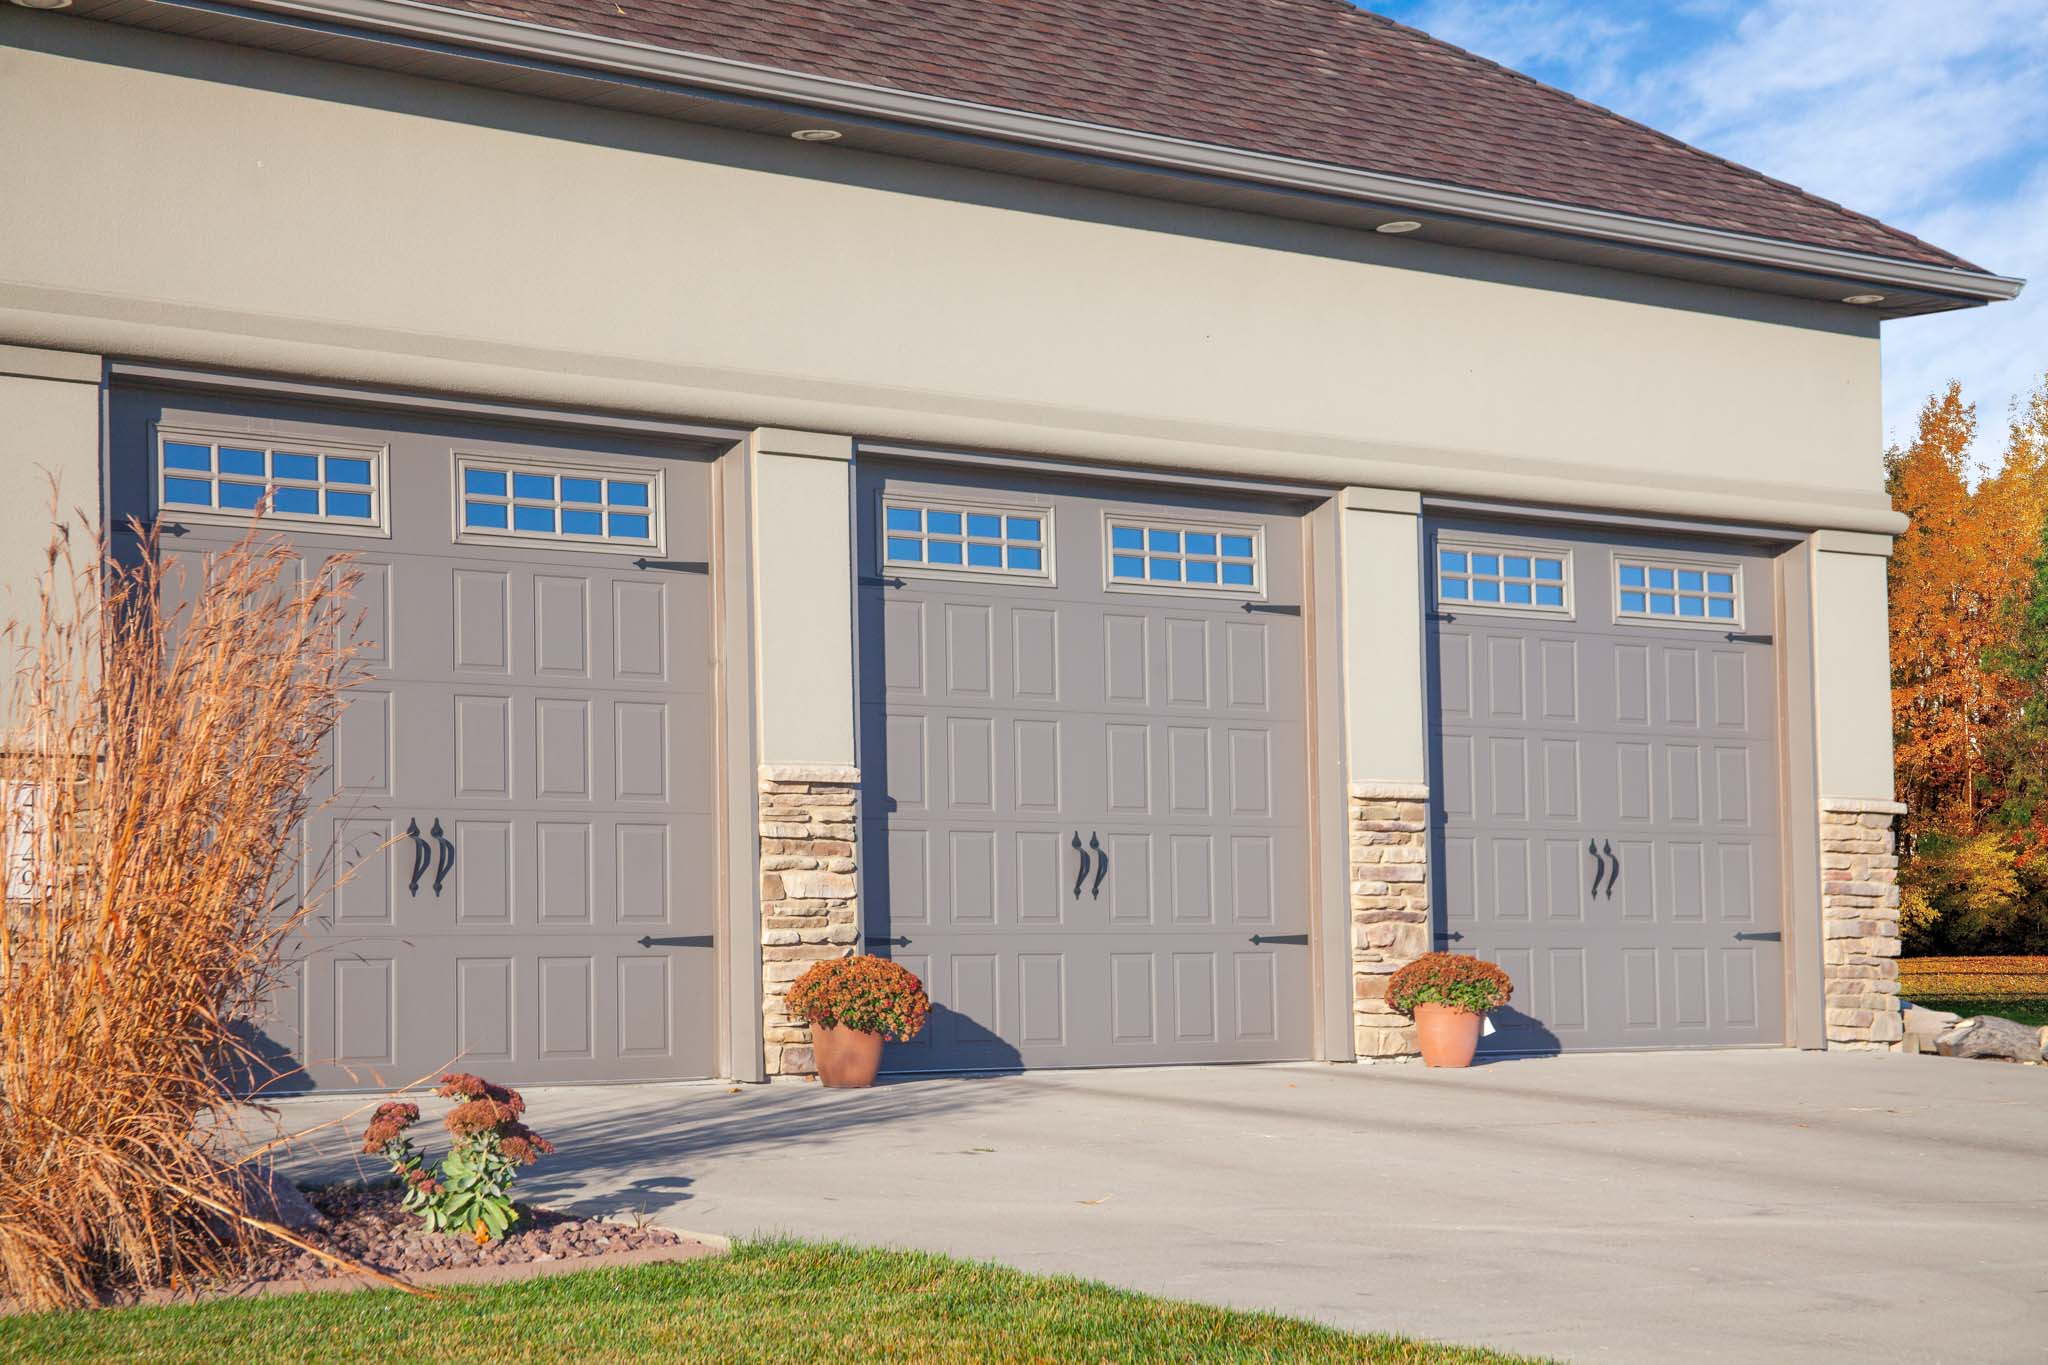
1319	80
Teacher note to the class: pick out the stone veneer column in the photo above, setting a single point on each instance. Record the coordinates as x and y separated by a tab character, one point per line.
1859	906
1390	924
808	827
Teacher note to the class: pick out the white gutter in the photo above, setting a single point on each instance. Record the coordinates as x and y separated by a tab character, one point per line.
535	43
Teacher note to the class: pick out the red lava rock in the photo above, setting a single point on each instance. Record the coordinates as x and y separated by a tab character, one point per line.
365	1223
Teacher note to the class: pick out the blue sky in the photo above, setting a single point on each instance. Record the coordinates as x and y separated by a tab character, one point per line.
1929	114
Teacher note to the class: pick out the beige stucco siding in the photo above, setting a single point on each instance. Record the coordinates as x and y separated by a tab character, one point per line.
49	458
803	596
190	201
1852	671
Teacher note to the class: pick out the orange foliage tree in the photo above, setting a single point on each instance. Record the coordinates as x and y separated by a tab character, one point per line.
1969	647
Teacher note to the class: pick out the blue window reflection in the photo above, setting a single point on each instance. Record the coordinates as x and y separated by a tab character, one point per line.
185	455
284	465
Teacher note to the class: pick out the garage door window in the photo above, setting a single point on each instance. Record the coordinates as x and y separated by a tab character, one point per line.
1653	590
226	478
982	540
1159	555
586	505
1505	576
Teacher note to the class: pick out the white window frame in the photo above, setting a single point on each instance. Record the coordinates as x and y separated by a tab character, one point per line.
379	488
1147	521
560	465
1470	543
994	505
1676	559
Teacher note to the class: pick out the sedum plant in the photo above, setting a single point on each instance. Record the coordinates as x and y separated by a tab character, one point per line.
1455	979
471	1191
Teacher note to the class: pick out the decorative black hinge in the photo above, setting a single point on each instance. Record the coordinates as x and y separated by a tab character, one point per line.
136	526
1772	937
1272	608
1298	940
680	941
870	581
875	941
675	565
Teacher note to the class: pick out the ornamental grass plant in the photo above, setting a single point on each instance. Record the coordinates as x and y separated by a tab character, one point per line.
871	994
160	768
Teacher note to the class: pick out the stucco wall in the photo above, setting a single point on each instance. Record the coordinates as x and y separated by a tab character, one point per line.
1852	669
1384	693
803	596
49	430
186	200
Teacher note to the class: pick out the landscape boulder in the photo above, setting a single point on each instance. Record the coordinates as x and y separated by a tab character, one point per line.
1988	1036
1927	1023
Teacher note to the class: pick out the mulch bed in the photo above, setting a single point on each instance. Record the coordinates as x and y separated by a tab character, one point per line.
365	1223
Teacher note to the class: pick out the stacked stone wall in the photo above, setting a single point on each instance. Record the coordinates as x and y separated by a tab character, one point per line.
809	832
1390	925
1860	923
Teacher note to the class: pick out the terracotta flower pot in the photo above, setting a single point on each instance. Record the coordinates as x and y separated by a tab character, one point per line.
1448	1035
848	1058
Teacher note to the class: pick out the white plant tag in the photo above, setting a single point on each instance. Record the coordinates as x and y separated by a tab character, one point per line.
1486	1028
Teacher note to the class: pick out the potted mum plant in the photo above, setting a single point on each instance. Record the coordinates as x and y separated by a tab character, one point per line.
853	1005
1448	994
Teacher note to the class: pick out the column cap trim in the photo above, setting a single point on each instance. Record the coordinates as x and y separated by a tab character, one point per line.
34	362
1390	791
1853	543
839	773
1861	805
1403	500
816	445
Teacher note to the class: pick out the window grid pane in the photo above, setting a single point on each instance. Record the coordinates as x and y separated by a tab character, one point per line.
1516	579
1652	591
539	504
974	540
1181	557
236	476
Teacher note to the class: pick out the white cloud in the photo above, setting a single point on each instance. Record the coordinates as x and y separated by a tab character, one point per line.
1928	113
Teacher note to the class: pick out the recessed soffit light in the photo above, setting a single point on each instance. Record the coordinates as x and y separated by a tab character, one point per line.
1398	225
808	134
1864	298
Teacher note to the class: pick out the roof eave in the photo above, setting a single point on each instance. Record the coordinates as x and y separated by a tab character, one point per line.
517	40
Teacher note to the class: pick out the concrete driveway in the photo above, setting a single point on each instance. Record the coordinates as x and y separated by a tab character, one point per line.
1753	1206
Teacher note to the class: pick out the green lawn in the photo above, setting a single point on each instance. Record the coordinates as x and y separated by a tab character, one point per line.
767	1301
2027	1009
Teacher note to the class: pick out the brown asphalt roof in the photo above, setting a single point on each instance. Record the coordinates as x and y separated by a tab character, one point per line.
1319	80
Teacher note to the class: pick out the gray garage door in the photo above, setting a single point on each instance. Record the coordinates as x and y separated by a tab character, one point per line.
1082	741
1604	743
536	735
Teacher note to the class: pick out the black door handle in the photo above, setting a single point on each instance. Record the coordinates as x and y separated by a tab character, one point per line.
421	856
1081	875
1599	869
447	855
1614	870
1101	867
